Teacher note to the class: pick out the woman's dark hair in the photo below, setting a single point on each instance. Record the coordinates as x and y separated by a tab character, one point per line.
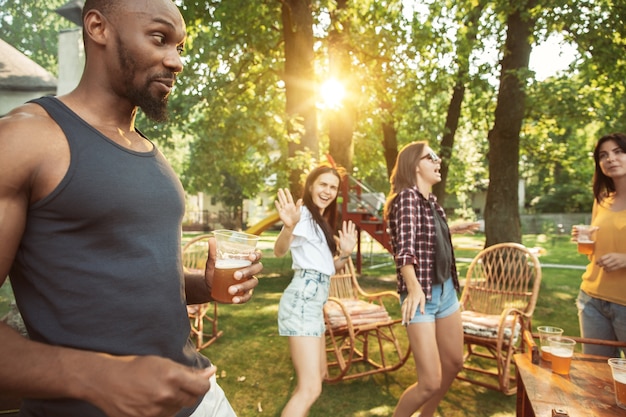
403	173
328	221
603	185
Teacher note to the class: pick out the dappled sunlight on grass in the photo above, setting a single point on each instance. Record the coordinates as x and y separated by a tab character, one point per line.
563	296
268	309
465	399
267	276
376	411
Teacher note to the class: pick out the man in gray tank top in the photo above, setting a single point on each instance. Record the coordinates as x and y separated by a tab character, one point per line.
90	222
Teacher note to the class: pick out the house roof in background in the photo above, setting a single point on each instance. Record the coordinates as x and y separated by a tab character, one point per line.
20	73
72	11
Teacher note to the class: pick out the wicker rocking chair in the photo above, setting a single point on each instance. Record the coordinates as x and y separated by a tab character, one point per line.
497	303
194	258
360	334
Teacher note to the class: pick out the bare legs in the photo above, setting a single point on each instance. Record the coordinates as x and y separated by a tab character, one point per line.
438	352
308	354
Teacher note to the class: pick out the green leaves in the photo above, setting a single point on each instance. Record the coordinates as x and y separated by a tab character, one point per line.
228	112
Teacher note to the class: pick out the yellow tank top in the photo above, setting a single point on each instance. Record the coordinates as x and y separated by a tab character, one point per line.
610	237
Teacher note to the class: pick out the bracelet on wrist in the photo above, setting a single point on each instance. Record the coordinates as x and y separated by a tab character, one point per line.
341	258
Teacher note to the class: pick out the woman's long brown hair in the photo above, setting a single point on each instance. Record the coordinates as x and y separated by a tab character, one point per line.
403	173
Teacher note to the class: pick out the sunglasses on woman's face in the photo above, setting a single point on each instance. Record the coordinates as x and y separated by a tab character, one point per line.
432	156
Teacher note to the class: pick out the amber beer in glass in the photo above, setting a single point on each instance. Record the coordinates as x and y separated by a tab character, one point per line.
585	238
585	247
562	351
618	369
544	333
233	253
620	391
223	278
561	360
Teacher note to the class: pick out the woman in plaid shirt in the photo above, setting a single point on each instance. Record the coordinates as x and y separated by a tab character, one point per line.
427	277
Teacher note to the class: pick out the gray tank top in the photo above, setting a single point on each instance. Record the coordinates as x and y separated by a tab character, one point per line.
99	265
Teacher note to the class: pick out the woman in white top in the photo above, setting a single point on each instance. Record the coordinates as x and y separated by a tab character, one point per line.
308	231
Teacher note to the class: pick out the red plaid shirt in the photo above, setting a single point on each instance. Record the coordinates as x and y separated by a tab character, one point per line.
412	230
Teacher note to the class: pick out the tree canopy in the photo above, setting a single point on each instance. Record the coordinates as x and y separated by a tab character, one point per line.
247	112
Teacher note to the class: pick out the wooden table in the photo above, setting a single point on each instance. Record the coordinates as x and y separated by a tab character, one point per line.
587	390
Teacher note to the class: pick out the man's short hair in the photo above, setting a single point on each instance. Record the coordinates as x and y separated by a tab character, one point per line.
106	7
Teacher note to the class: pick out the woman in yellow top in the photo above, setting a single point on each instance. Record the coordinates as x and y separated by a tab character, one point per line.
602	298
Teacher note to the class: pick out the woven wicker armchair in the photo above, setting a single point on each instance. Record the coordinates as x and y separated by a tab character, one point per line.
195	254
497	303
360	334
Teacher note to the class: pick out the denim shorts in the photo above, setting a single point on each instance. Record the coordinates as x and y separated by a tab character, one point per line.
300	311
443	303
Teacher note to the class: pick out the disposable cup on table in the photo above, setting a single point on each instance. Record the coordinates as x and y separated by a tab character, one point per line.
618	370
544	345
562	351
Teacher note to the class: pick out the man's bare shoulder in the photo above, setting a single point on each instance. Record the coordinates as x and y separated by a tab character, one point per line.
29	130
32	146
25	120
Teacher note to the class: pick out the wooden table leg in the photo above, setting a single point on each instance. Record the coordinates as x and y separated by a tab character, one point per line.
523	407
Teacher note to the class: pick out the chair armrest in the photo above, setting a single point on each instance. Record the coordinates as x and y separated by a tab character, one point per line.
379	294
518	317
529	346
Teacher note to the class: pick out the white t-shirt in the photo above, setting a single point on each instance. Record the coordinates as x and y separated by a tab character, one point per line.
309	249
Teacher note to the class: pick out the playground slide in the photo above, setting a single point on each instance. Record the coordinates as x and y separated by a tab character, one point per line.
260	227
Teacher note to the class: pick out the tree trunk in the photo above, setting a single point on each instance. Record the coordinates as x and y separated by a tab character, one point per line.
502	217
341	121
447	142
390	146
464	48
299	84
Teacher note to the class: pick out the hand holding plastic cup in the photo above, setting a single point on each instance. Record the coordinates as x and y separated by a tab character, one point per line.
233	253
618	369
585	238
544	345
562	351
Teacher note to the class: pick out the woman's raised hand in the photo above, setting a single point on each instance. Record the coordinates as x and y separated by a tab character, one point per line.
288	211
347	237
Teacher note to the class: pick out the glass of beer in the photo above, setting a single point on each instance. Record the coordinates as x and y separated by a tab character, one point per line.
618	369
562	351
585	238
233	253
544	345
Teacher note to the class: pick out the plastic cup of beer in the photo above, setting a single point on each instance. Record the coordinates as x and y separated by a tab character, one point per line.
562	351
585	238
544	345
233	253
618	369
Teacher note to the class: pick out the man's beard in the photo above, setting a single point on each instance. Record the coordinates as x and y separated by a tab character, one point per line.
154	108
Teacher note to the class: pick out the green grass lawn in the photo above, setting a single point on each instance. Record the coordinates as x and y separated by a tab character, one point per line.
255	369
